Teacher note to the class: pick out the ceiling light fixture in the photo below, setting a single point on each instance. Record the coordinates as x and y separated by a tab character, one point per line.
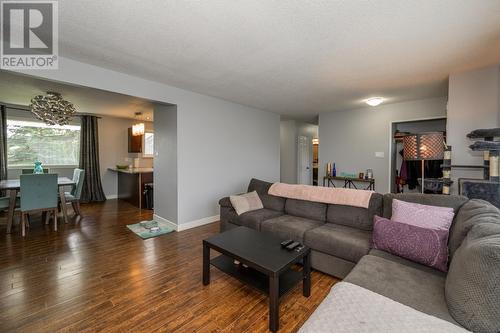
374	101
52	109
138	129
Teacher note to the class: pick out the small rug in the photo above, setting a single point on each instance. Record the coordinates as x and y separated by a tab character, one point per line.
143	229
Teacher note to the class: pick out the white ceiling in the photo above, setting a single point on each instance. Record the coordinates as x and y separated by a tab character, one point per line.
293	57
19	90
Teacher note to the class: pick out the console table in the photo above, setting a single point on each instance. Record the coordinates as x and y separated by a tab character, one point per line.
350	182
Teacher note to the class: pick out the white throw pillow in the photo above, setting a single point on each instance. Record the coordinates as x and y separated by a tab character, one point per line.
246	202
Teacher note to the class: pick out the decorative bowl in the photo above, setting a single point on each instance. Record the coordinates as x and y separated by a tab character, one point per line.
121	167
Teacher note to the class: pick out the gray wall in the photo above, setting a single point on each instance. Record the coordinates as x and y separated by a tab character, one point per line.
165	162
350	138
474	102
221	145
288	151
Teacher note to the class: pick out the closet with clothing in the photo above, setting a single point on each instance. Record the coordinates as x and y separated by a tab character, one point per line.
406	174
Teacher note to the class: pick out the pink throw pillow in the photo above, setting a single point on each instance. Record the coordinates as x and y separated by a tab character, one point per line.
430	217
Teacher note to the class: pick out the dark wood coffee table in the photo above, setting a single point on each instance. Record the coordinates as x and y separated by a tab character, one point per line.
269	266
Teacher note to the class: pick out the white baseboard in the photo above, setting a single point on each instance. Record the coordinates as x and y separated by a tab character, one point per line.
161	219
112	196
188	225
198	223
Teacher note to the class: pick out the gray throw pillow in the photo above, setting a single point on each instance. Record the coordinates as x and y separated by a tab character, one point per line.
472	286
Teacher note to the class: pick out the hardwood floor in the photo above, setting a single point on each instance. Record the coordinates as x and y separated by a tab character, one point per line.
93	274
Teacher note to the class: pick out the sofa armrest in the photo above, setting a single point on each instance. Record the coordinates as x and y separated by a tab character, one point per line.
225	202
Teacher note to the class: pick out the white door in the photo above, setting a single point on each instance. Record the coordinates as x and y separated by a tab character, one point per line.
304	161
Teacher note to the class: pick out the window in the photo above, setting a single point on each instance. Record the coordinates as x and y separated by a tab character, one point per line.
29	141
149	147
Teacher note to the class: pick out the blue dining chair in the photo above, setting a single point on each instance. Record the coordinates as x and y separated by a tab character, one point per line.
38	194
5	203
76	190
30	171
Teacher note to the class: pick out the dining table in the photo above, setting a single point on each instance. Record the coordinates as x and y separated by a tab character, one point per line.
14	186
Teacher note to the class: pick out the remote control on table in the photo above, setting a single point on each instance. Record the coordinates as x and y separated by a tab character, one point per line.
299	248
292	246
286	243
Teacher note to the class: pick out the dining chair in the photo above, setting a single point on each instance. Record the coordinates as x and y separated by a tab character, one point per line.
5	203
76	191
30	171
38	193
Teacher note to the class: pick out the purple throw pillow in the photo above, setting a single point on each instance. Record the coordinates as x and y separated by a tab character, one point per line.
430	217
423	245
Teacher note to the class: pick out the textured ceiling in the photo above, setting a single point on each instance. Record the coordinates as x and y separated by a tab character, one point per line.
291	57
19	90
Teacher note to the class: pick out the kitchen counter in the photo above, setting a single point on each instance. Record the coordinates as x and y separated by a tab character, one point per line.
131	184
133	170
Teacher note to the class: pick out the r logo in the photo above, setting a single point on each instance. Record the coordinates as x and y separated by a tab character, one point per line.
29	34
27	28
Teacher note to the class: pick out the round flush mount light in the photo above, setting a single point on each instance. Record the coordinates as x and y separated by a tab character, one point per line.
374	101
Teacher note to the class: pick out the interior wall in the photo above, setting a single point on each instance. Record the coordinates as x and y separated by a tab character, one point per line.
288	151
165	162
221	145
474	102
351	138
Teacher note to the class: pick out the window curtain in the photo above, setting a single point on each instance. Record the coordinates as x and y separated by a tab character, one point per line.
89	160
3	145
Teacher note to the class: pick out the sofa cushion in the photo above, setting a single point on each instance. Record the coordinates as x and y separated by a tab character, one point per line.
452	201
350	308
473	284
406	240
401	261
307	209
269	201
340	241
421	289
471	213
255	218
356	217
290	227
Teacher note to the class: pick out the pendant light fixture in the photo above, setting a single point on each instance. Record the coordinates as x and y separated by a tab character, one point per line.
52	109
138	129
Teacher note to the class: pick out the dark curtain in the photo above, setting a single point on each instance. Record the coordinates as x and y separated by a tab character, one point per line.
89	160
3	145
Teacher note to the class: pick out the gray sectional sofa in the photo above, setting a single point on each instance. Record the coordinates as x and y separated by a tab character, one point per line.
340	239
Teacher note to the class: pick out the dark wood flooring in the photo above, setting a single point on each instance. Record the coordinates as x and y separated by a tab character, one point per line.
93	275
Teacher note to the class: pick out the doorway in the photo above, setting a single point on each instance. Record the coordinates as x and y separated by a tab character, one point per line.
304	158
405	174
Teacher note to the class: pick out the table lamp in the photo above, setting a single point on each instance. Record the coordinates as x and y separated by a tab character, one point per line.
423	147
